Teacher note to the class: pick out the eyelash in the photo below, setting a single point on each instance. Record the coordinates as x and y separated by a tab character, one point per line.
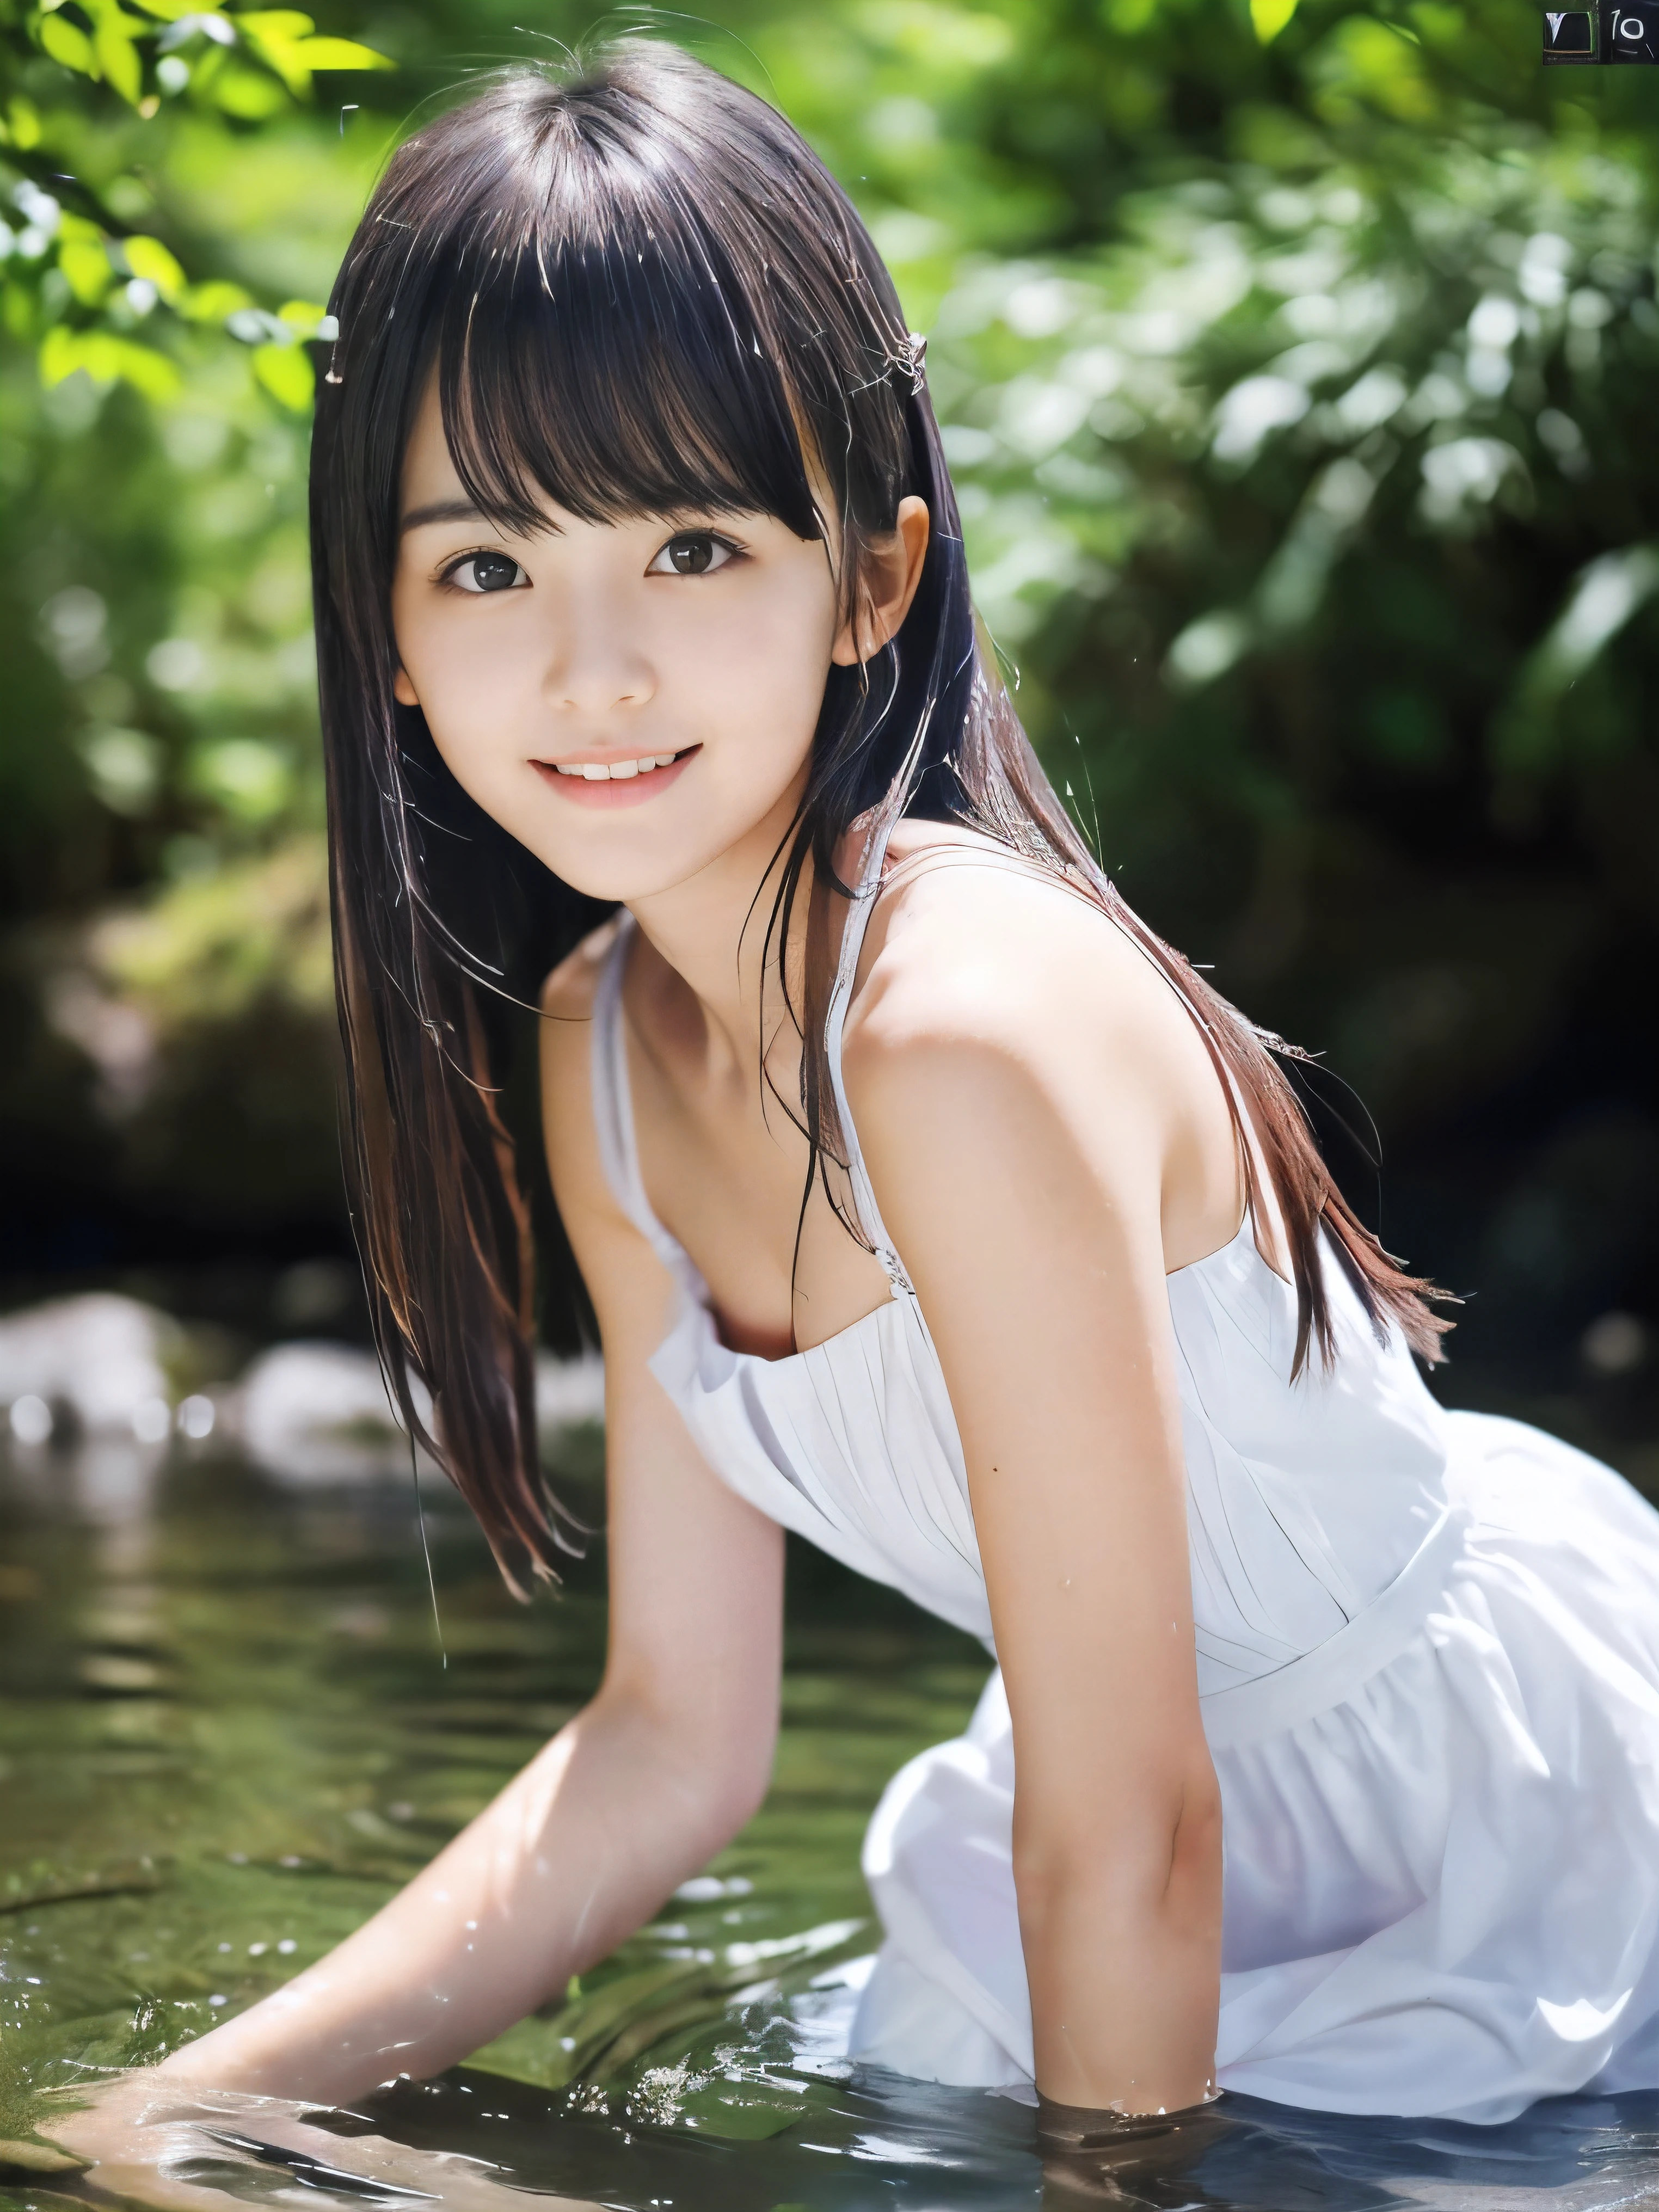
451	569
728	545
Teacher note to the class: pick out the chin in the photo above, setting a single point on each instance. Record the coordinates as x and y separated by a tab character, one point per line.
631	870
612	858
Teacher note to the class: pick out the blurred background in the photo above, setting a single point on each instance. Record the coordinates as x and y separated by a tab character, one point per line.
1299	366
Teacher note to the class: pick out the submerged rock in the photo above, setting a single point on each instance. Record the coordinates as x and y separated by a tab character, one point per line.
569	1393
95	1364
317	1412
320	1412
94	1371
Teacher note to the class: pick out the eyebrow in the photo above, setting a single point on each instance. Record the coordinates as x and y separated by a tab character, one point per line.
457	510
441	510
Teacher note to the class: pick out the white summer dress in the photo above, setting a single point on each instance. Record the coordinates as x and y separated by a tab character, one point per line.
1428	1655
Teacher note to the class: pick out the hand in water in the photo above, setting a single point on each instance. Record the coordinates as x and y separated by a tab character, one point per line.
154	2140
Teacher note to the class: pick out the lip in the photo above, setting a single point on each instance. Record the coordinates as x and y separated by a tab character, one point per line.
634	791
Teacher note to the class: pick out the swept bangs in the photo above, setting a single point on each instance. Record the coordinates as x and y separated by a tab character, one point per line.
618	377
621	325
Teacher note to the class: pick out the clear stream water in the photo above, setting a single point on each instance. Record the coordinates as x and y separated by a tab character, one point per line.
226	1732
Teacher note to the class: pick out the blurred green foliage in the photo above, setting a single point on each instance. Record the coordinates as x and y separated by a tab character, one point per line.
1296	362
83	276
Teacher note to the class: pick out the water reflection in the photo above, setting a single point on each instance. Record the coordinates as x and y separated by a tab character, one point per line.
225	1733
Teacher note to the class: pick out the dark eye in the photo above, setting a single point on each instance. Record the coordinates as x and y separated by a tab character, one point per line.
487	572
691	553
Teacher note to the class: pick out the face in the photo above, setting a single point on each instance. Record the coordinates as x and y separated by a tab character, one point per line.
630	701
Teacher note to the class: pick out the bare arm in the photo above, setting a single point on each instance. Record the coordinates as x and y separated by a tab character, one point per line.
671	1758
1025	1110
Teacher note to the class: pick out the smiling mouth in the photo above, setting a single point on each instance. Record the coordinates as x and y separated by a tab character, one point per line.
617	771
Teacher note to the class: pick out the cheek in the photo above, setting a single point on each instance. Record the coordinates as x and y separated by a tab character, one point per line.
466	684
759	667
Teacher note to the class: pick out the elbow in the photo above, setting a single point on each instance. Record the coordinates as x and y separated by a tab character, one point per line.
713	1767
715	1799
740	1805
739	1777
1152	1865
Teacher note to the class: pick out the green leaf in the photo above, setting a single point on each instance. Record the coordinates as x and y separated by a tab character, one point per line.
286	372
281	39
342	54
1604	597
86	266
1269	18
167	11
23	123
107	360
247	93
302	317
117	55
274	34
148	259
72	48
212	301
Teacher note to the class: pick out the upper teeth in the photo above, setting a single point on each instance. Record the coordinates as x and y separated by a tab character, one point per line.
614	771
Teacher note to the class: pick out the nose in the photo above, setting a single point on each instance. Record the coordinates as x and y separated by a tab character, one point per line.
596	667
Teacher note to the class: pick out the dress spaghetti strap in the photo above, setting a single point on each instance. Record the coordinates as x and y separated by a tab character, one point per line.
852	944
613	1101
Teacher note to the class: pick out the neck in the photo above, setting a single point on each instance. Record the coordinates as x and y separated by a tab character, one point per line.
711	930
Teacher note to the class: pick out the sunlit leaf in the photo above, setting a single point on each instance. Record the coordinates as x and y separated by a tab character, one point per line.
118	56
23	123
1269	17
341	54
69	45
1603	599
148	259
247	93
86	266
108	359
214	301
305	319
286	372
274	34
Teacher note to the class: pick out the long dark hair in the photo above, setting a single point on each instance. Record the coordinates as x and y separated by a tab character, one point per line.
642	294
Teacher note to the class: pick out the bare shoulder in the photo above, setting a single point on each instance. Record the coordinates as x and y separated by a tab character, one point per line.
1001	1015
973	946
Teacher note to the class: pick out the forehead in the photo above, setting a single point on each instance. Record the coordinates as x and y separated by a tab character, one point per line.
430	468
431	479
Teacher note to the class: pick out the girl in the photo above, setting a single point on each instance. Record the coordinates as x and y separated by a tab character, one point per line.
929	1205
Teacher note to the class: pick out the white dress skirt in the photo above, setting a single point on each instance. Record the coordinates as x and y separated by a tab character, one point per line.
1428	1655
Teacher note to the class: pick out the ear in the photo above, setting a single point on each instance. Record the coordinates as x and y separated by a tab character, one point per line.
403	690
889	586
